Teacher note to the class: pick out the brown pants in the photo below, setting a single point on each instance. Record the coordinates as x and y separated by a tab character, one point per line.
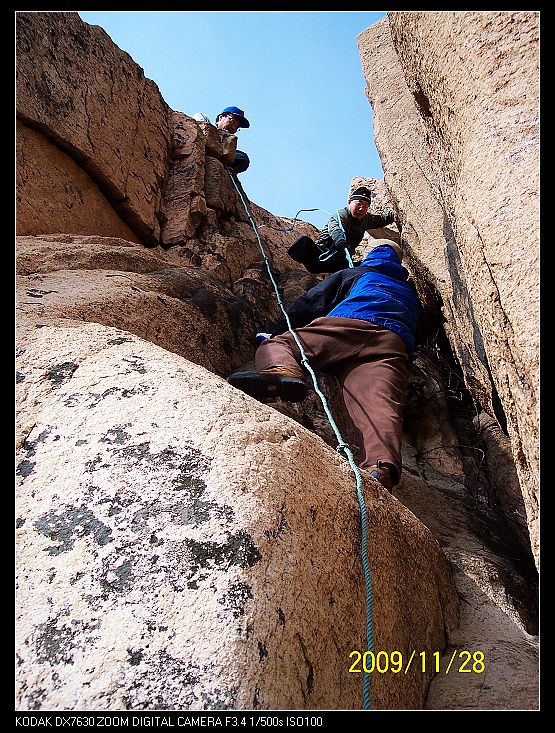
372	366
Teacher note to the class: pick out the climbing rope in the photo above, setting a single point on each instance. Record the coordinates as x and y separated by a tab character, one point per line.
342	447
325	255
289	229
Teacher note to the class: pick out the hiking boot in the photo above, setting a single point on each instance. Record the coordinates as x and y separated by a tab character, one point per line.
382	473
267	384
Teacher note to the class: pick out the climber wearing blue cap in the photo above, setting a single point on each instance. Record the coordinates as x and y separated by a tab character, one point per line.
235	118
230	120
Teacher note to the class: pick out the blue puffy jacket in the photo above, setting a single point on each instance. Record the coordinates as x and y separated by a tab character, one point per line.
376	290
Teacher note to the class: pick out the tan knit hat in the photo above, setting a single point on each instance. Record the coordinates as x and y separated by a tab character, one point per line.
397	247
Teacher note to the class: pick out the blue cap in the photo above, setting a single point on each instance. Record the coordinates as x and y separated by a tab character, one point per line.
238	113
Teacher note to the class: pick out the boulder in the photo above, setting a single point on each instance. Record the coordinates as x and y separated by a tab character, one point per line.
182	547
182	309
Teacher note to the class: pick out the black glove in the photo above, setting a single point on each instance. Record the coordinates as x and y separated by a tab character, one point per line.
336	246
339	244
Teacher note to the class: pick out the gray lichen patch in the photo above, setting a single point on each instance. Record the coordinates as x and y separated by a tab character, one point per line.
188	462
117	579
184	468
239	550
57	639
235	599
93	399
135	657
61	373
220	699
115	435
30	446
191	510
161	682
189	562
56	644
25	468
180	470
136	364
65	528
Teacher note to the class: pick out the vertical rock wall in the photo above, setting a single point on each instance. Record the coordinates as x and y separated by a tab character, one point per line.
89	98
119	524
455	100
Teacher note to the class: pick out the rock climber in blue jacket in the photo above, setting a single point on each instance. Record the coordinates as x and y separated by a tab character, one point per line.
359	324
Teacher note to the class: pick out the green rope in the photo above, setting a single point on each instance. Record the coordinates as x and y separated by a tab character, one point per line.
342	447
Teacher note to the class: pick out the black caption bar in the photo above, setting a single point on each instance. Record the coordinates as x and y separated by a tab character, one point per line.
188	720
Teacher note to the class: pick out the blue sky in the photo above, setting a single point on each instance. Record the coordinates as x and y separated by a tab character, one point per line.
297	76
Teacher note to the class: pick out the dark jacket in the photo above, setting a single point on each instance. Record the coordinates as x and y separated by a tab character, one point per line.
376	290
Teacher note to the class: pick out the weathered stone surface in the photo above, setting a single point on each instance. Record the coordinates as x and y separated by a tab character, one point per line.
168	560
185	209
277	234
228	247
491	621
50	253
255	287
93	101
212	140
455	99
503	476
451	486
187	140
184	203
405	157
219	143
220	193
55	195
229	146
184	310
225	249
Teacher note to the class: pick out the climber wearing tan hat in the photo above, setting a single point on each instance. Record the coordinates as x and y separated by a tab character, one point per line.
344	230
360	325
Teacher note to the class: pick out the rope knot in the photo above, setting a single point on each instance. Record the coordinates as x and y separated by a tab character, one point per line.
342	447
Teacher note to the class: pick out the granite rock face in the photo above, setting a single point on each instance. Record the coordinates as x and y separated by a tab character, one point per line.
179	545
455	100
54	194
168	559
185	310
89	98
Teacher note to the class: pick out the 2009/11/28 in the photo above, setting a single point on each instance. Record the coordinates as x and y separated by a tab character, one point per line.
383	662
